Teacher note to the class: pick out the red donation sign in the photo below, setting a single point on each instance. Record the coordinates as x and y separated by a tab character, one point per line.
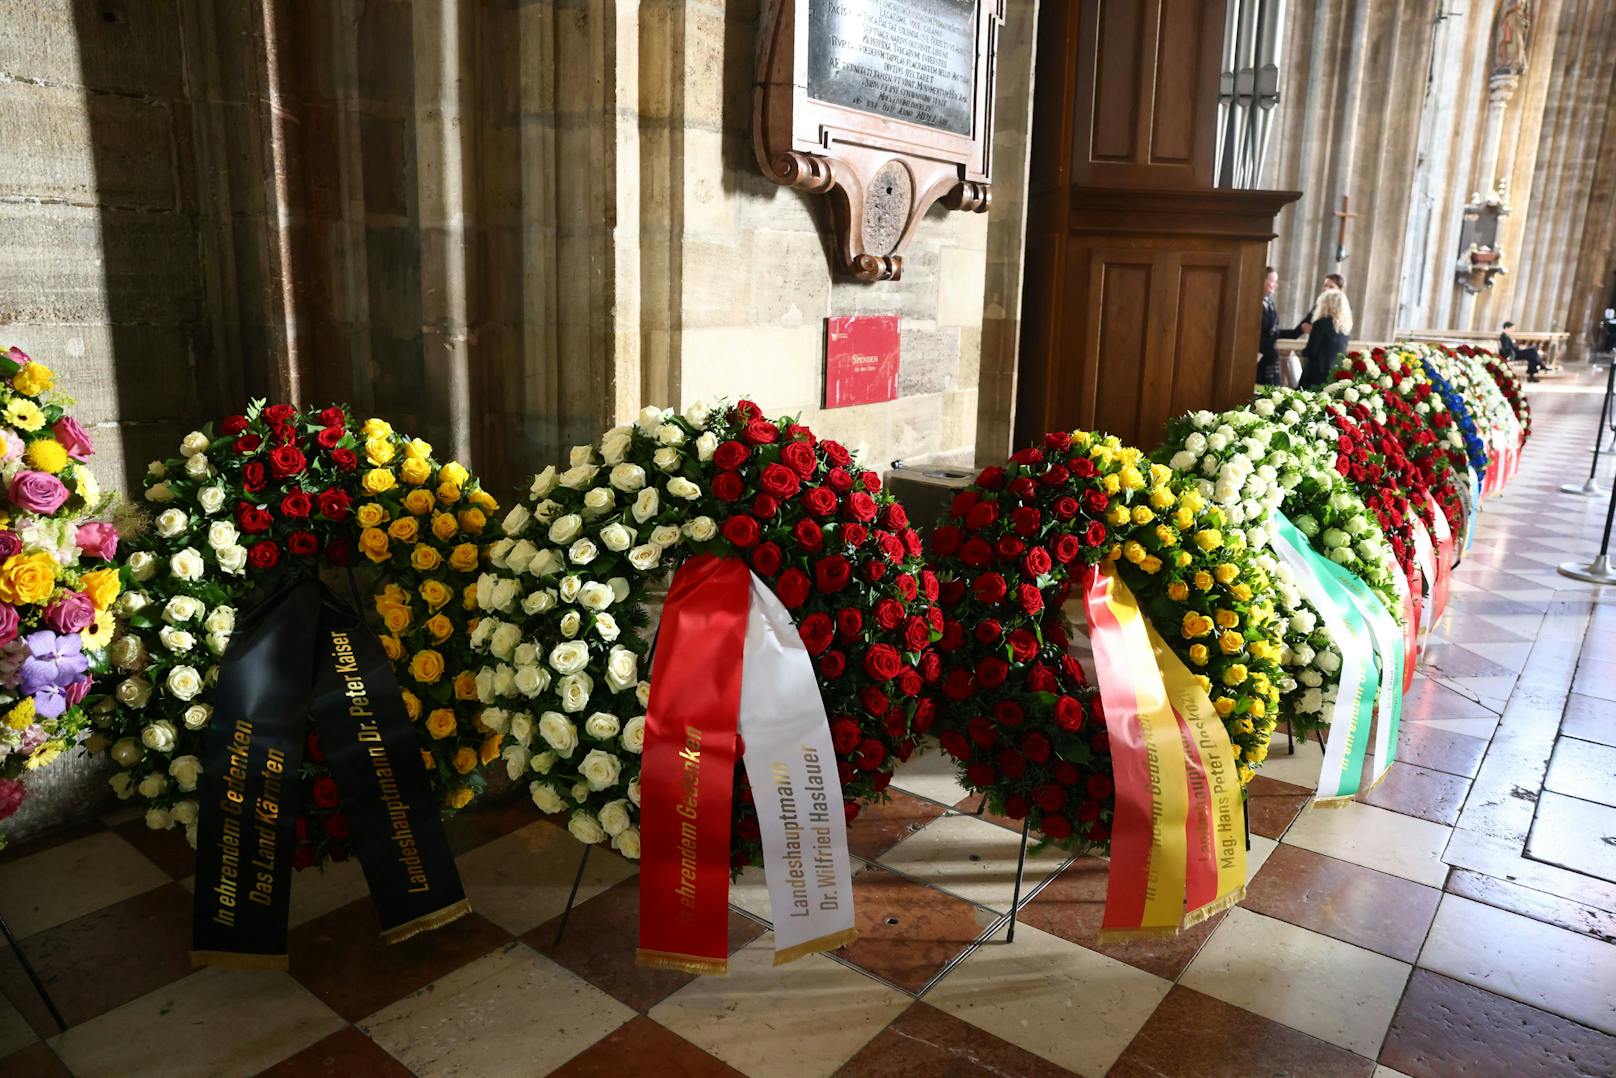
861	359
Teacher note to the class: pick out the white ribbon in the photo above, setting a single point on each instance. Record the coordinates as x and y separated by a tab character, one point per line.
791	768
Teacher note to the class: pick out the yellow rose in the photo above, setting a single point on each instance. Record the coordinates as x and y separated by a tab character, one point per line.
416	449
102	586
1162	498
444	526
1198	654
468	600
1195	625
1224	706
379	450
1246	774
484	501
428	761
404	529
27	578
419	502
440	627
1231	642
396	618
46	454
1241	592
1257	753
377	428
460	797
426	667
1151	564
392	595
1258	708
1178	591
412	705
415	471
1192	501
33	379
465	685
424	559
1183	518
436	593
1235	675
463	557
1160	474
1225	573
488	752
448	493
1182	559
1118	515
373	541
1203	579
1131	479
378	480
1227	619
472	520
395	651
441	723
1208	539
454	472
465	760
1133	552
24	414
1142	515
1166	536
1204	682
1243	725
371	514
1111	484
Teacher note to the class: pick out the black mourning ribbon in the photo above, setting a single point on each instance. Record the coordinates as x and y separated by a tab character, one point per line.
305	655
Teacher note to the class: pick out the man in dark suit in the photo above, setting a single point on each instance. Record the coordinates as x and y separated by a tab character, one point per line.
1508	349
1268	369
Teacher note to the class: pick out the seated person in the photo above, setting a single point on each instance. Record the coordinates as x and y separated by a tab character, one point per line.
1510	350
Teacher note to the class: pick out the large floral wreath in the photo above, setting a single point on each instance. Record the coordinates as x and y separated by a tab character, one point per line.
1510	387
280	491
55	588
1017	714
565	664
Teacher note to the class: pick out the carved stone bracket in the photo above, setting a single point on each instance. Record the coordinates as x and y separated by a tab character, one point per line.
923	135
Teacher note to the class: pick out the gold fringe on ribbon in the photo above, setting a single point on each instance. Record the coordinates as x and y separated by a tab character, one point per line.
684	963
237	960
1332	802
1120	935
427	922
1213	908
814	946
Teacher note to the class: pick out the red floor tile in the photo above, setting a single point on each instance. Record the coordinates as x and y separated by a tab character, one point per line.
1419	791
908	932
884	824
35	1061
1272	804
926	1041
168	850
346	1054
1440	750
640	1046
1358	905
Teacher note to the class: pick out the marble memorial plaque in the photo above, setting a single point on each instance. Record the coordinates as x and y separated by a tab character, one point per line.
909	60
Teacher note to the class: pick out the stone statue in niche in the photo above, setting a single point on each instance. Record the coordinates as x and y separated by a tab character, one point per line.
885	107
1510	37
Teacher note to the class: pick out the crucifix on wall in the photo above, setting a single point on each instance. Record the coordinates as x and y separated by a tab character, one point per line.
1342	217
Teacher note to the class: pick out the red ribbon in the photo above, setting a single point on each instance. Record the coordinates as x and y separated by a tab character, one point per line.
687	774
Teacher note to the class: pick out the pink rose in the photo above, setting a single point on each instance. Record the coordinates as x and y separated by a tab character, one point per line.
73	437
37	492
18	356
12	444
71	613
98	539
76	691
11	791
8	623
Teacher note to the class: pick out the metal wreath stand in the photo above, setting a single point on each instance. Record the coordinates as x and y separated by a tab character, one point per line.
33	977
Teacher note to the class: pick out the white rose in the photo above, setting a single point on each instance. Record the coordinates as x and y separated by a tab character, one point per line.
558	732
580	454
133	692
645	557
619	586
157	469
181	608
537	602
615	444
519	558
579	476
599	501
516	521
545	797
502	596
185	813
532	680
627	843
183	682
526	654
496	719
159	493
171	522
701	529
516	758
574	690
566	529
232	559
634	789
667	460
484	629
1328	661
569	657
642	693
159	819
544	762
628	478
152	785
193	443
522	728
571	621
646	504
602	726
570	587
595	596
582	552
671	434
614	817
211	499
159	736
499	551
176	640
128	653
142	565
616	537
665	535
622	669
546	562
187	564
504	639
131	603
650	418
197	467
706	445
584	828
504	680
123	784
185	770
600	769
222	619
634	734
543	483
196	716
606	627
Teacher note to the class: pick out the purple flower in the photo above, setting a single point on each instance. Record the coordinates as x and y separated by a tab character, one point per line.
50	701
97	539
74	438
37	492
70	613
53	661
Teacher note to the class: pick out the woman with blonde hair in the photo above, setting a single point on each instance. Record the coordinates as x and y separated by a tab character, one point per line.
1327	339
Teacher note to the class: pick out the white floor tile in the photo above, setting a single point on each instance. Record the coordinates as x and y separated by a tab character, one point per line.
972	858
54	886
932	774
1301	769
1375	838
521	880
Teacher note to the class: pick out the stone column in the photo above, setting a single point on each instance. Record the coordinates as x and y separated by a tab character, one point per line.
1500	88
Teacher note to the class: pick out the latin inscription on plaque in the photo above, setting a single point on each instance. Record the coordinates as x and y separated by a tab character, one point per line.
911	60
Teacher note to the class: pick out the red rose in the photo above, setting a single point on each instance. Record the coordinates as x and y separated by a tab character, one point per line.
882	662
870	755
839	480
895	517
844	735
325	792
871	481
954	743
1066	773
1024	488
832	665
854	534
336	826
339	552
888	614
1056	476
793	588
730	455
297	505
836	452
1067	547
982	732
333	417
958	685
816	631
982	515
248	443
1100	786
1095	502
960	505
1059	440
990	478
344	459
945	540
980	775
329	437
989	588
764	507
728	486
280	413
849	623
233	425
253	477
1040	678
335	504
286	461
760	432
263	554
832	573
1009	548
779	481
1030	455
1056	827
1037	562
766	559
891	546
1016	806
819	501
916	635
1008	713
799	457
875	700
1035	747
742	531
976	553
746	410
925	714
928	584
987	631
1068	713
912	542
252	519
1095	535
1023	645
991	672
1065	508
303	544
1012	765
860	506
1030	598
1026	520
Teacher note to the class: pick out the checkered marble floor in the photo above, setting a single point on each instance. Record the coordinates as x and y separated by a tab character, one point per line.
1458	919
